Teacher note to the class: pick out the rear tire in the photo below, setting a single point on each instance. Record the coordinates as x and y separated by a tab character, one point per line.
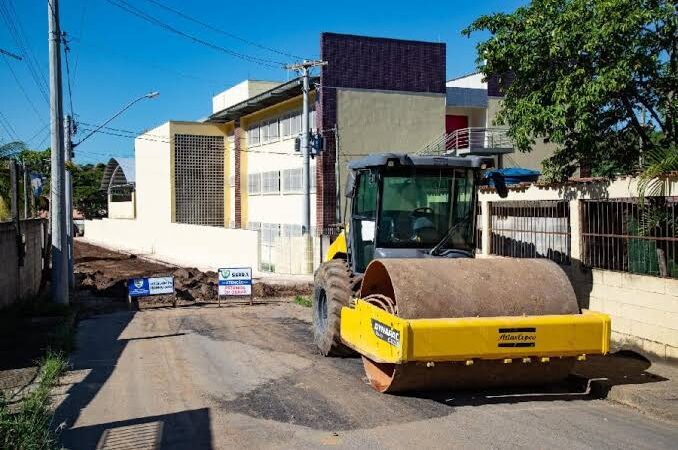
333	290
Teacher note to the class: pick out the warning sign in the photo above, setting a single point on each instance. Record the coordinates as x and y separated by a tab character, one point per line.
235	281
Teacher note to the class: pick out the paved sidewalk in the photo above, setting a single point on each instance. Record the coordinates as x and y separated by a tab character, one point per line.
627	378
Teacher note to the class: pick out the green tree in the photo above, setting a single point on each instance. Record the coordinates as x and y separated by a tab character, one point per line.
88	197
7	151
595	77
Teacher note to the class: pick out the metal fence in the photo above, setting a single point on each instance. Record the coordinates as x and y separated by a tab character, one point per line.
479	229
465	139
282	247
531	229
622	235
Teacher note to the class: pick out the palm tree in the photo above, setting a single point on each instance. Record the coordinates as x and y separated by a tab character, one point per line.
659	162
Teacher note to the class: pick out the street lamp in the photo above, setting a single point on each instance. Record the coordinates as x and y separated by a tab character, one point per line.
152	94
69	180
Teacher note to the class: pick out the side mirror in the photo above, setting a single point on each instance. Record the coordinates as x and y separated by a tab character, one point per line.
499	184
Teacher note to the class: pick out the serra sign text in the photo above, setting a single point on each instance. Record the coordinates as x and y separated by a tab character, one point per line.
235	281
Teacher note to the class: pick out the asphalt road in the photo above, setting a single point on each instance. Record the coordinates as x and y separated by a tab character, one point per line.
249	377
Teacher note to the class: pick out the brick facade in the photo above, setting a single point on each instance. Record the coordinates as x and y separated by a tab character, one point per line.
366	63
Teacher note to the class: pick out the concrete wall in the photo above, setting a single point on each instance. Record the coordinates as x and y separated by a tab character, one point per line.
385	121
643	309
153	175
21	283
476	116
466	97
240	92
122	210
207	248
473	81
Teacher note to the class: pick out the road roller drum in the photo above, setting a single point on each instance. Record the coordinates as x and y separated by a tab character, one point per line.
455	288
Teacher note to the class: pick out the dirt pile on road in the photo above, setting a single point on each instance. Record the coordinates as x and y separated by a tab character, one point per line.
105	273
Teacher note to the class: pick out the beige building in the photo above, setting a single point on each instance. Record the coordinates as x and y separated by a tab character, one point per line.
239	169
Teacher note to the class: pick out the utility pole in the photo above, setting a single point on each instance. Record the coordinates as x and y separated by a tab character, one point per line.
68	156
26	191
304	69
57	204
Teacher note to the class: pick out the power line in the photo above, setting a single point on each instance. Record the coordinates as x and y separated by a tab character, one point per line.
220	31
67	50
122	130
16	31
80	32
125	6
21	87
169	140
10	54
37	133
146	62
8	127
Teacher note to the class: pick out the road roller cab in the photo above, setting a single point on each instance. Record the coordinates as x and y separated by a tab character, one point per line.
401	287
411	207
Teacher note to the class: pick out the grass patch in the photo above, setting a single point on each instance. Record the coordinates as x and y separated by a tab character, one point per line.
28	426
47	329
303	301
62	339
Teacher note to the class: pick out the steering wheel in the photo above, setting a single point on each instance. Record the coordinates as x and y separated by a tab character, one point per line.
422	212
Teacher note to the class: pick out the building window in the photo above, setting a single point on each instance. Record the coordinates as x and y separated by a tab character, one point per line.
199	179
270	183
253	137
264	133
269	231
291	230
273	130
286	125
254	184
293	181
296	123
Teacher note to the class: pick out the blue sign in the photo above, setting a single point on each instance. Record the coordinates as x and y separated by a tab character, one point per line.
36	184
142	287
235	281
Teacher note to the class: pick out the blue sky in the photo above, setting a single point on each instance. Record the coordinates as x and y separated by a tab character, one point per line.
116	57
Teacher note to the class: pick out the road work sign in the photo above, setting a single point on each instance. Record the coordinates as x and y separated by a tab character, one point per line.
235	281
143	287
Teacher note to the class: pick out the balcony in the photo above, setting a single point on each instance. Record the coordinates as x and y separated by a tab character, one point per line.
471	141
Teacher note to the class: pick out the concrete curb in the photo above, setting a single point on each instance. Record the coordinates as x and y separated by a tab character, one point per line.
657	399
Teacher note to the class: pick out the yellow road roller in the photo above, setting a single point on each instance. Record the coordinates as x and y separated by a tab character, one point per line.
401	287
